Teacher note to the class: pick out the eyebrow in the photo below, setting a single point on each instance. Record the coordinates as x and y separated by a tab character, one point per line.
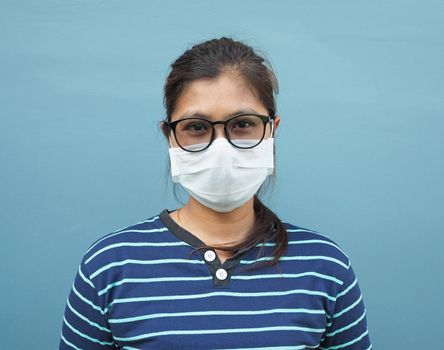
197	114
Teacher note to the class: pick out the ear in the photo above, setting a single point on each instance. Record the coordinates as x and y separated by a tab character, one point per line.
164	128
277	120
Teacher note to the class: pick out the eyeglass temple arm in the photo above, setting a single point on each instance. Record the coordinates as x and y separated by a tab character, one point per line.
168	125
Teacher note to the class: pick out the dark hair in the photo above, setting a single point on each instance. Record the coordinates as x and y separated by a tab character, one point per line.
209	59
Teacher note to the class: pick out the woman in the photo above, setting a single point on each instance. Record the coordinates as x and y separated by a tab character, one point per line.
222	272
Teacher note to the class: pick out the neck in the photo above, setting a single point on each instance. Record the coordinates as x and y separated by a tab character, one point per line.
216	228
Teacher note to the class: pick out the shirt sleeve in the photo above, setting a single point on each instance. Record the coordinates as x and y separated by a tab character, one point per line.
347	327
85	325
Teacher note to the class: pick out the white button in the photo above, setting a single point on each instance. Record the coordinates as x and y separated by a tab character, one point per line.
210	255
221	274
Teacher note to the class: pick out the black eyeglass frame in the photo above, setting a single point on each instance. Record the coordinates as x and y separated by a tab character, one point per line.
265	119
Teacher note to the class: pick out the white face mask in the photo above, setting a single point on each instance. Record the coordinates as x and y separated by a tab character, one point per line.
222	177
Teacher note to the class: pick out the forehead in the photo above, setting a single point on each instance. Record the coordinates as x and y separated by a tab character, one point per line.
217	98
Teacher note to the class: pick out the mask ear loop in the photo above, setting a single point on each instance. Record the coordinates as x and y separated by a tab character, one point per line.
272	128
170	139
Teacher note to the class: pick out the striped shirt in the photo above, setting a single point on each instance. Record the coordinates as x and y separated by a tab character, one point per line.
147	287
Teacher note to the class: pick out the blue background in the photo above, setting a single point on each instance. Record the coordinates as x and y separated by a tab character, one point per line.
359	149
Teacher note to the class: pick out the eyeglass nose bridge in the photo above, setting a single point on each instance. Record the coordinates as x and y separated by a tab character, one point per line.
224	131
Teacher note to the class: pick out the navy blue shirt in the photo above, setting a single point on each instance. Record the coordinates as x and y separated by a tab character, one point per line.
147	287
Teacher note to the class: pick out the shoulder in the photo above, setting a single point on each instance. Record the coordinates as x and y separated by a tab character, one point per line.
114	246
131	233
307	242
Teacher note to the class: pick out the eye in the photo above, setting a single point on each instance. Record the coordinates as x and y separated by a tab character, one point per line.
194	127
243	124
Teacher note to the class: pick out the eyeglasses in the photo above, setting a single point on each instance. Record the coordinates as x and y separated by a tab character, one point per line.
242	131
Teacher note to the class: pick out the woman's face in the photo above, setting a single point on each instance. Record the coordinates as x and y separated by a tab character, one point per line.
218	99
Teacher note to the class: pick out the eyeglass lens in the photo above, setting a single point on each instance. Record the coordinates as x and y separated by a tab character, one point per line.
244	131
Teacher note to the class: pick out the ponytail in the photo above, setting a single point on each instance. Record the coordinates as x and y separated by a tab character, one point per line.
267	228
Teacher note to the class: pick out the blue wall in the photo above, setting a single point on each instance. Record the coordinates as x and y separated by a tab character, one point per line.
360	146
